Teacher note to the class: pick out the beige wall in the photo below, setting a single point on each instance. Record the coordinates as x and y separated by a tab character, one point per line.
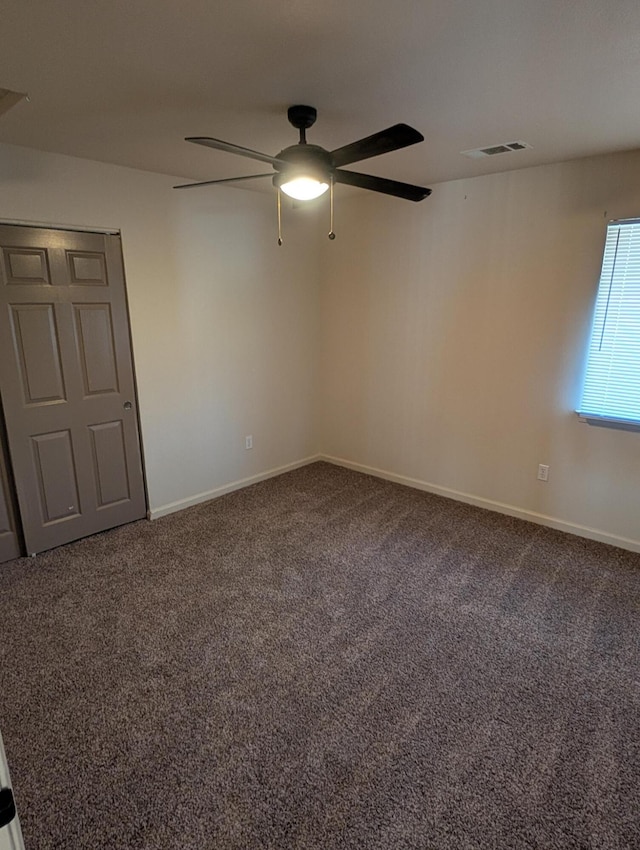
440	343
453	338
223	322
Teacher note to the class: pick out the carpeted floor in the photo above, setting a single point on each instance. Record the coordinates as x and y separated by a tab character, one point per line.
324	660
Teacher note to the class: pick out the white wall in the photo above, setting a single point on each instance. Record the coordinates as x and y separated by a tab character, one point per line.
453	338
224	322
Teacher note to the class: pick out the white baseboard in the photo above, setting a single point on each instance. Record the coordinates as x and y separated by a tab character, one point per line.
499	507
172	507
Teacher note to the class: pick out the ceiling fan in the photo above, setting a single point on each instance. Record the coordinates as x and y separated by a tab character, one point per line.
320	165
305	171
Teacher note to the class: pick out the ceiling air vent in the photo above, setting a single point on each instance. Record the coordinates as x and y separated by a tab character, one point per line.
493	150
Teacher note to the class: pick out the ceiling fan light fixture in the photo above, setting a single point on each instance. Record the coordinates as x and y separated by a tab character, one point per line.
304	188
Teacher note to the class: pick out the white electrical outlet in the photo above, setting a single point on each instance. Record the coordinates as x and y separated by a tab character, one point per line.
248	442
543	472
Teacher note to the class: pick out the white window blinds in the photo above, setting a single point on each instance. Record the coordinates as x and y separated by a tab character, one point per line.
612	381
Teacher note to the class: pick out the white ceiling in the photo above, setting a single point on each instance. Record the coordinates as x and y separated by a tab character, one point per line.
124	81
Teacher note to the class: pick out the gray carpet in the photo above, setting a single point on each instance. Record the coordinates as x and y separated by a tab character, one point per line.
324	660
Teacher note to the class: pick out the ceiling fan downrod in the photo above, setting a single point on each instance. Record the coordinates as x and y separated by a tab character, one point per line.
302	117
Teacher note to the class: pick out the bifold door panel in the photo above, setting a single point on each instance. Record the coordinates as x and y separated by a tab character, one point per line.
66	379
9	543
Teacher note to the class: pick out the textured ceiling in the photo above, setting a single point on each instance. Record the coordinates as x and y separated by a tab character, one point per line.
124	81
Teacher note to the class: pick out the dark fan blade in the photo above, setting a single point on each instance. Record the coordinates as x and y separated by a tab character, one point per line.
224	180
381	184
229	148
391	139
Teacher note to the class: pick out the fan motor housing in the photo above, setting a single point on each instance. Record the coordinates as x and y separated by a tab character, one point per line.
305	156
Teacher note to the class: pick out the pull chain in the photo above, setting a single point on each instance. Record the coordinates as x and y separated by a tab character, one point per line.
279	220
332	235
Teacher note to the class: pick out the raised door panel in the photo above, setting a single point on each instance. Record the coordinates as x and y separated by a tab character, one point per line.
96	348
87	268
66	376
55	466
25	266
37	353
110	463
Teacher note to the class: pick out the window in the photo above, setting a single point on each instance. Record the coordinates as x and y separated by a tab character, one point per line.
612	381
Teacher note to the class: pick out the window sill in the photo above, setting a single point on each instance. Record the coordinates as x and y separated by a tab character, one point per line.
608	422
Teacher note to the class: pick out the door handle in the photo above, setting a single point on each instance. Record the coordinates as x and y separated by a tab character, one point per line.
7	806
127	405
